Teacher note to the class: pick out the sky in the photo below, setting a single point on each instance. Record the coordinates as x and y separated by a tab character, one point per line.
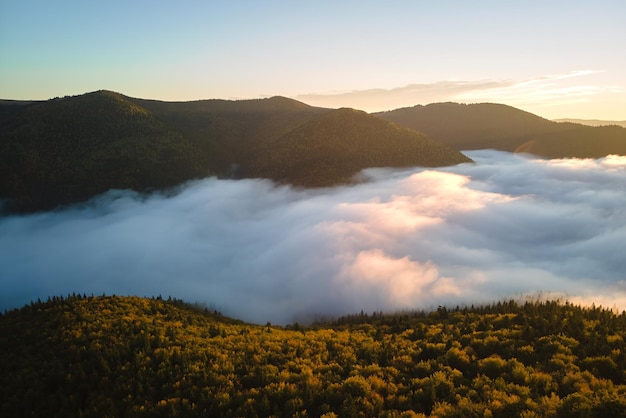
507	226
557	59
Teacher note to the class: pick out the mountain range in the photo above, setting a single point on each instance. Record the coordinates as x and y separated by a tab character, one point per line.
67	150
594	122
505	128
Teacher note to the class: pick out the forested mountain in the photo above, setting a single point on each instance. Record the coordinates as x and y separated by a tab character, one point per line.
232	132
66	150
488	125
338	144
127	356
69	149
575	140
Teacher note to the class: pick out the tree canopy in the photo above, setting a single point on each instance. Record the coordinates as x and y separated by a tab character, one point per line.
127	356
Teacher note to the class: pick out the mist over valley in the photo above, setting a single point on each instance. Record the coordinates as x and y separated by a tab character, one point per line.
505	226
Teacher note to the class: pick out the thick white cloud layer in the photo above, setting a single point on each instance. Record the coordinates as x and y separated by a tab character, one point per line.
506	226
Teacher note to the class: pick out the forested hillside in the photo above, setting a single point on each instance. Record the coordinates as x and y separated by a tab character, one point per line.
231	132
67	150
578	141
338	144
70	149
127	356
497	126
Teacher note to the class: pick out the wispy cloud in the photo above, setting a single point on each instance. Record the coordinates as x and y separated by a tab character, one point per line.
374	100
504	227
533	94
545	91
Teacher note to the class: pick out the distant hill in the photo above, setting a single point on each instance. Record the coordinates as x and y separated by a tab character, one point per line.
593	122
67	150
577	141
8	108
488	125
476	126
338	144
100	356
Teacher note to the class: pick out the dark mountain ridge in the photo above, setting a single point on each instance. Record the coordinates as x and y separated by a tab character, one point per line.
338	144
502	127
66	150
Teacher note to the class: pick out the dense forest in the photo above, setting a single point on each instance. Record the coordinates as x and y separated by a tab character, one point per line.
231	132
67	150
575	141
338	144
127	356
70	149
497	126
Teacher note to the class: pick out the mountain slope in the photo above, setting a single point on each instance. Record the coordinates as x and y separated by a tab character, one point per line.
487	125
475	126
577	141
67	150
336	145
128	356
231	132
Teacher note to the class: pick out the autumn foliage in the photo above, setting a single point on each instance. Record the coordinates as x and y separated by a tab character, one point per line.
129	356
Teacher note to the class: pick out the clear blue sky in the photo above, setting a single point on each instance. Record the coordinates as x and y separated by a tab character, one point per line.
553	58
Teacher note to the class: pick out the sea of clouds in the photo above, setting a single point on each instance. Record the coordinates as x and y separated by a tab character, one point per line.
504	227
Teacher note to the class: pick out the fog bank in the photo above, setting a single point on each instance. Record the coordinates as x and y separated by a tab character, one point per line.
507	226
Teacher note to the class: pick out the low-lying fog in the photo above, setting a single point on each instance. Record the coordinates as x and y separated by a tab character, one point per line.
507	226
